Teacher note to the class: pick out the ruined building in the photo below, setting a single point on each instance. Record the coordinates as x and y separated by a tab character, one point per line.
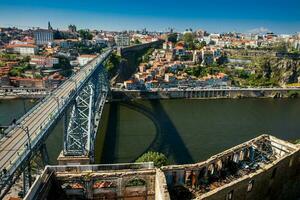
262	168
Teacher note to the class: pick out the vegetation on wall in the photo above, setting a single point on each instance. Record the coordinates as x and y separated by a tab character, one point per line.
157	158
113	64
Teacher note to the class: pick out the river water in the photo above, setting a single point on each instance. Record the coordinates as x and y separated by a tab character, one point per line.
185	130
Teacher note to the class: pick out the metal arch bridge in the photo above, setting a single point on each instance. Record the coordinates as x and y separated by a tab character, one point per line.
86	92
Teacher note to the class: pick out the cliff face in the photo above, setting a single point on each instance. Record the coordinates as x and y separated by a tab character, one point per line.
125	70
281	71
290	71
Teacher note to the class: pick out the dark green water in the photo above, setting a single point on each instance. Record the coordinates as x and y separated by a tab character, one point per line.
185	130
192	130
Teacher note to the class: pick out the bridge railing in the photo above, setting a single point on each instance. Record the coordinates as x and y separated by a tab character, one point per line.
34	108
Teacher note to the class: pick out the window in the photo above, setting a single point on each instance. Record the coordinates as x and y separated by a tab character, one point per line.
250	186
229	196
274	173
135	182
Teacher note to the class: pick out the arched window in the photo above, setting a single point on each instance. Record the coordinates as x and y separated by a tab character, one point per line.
135	182
104	184
73	185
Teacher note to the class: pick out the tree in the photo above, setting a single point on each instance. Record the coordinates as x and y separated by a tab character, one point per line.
281	47
136	41
85	34
159	159
113	63
172	37
188	39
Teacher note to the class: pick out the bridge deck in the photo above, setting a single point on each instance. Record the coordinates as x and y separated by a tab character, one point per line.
15	144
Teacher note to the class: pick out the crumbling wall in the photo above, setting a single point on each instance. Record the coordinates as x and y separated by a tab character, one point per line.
133	185
161	187
277	178
280	181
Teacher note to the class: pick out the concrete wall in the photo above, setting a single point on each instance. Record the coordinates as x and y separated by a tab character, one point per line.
283	186
278	180
110	185
161	187
125	50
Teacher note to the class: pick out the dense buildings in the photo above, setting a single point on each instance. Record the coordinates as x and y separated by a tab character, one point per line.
43	61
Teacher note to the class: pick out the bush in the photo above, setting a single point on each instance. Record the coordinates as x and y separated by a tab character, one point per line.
159	159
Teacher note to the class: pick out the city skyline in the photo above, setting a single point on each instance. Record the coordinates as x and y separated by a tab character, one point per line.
217	16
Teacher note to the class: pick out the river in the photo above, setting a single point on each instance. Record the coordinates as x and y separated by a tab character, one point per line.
185	130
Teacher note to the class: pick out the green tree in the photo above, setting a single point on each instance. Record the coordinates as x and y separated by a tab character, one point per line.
172	37
85	34
157	158
188	39
136	41
281	47
113	63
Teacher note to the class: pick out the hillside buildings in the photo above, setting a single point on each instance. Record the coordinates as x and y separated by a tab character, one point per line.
43	61
167	68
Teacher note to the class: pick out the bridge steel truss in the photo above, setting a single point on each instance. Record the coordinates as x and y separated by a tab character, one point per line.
88	99
81	132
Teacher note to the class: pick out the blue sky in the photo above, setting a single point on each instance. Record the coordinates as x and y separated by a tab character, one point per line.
280	16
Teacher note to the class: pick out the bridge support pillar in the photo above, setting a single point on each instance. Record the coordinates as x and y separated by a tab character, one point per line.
73	160
27	179
44	154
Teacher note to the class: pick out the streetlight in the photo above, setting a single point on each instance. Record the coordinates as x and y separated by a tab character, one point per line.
26	129
57	101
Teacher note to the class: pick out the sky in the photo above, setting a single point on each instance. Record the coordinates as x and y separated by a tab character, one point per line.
279	16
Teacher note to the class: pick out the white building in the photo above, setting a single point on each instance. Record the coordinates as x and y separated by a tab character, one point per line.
84	59
22	49
122	40
43	37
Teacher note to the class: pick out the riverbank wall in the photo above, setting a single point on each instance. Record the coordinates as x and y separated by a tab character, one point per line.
121	95
7	93
17	96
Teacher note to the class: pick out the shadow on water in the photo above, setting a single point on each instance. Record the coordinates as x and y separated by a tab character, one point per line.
167	139
170	141
111	137
150	115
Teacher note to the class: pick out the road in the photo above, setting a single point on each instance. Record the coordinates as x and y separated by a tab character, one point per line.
16	143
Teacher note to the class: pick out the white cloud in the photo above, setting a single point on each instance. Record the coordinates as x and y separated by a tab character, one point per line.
259	30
